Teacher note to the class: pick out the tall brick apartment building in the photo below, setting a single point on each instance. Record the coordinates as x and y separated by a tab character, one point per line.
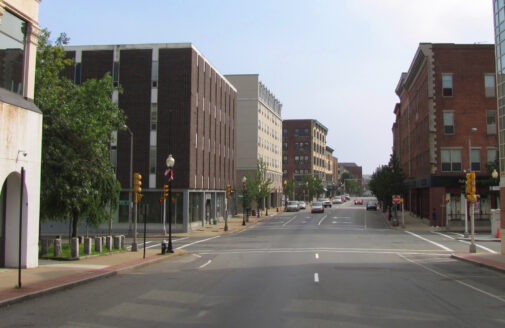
304	151
446	124
176	103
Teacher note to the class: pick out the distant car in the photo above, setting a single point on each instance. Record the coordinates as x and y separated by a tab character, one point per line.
371	206
302	205
358	202
317	207
337	200
347	197
293	206
326	202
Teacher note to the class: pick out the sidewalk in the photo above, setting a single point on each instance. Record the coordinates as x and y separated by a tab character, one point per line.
415	224
51	276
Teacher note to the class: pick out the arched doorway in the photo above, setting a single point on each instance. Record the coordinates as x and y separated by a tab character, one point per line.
9	221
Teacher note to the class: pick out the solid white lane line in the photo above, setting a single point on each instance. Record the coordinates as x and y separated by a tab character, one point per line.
197	242
324	217
431	242
455	280
289	220
204	265
196	255
316	277
317	256
466	242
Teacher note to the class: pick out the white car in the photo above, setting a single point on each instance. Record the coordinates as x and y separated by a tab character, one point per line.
337	200
293	206
302	205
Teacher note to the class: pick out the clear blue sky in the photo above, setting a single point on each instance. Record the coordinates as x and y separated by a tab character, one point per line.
337	61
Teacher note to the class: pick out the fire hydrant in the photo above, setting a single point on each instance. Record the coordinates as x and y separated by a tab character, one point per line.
164	247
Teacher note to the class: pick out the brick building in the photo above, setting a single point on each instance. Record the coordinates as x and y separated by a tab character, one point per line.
176	103
304	151
446	124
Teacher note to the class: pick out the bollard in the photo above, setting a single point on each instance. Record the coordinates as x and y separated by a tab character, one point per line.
98	244
117	242
164	246
87	246
57	247
45	246
108	243
74	248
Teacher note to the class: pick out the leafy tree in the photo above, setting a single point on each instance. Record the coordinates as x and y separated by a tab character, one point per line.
260	185
289	188
77	177
313	186
350	183
387	181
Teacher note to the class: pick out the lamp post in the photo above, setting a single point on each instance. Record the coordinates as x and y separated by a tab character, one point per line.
170	164
307	187
244	180
130	132
285	196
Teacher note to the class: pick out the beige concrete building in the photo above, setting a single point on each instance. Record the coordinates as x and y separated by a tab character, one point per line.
259	132
20	133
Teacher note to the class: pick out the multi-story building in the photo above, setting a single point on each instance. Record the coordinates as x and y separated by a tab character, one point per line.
354	169
329	181
304	149
20	133
176	103
445	125
499	24
260	124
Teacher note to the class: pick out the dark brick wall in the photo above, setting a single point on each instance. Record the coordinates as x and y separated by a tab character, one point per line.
174	114
135	79
96	63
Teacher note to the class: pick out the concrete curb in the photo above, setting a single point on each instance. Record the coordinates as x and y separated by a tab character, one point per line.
473	259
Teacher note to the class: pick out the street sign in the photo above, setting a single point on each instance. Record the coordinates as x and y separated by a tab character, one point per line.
124	202
396	199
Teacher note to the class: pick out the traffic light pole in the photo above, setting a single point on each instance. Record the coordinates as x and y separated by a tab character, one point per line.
135	207
164	216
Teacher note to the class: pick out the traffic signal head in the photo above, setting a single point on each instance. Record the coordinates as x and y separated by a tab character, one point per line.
470	183
228	190
137	182
165	191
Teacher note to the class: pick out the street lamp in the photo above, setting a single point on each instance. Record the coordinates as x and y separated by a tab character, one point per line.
130	132
285	196
170	164
244	180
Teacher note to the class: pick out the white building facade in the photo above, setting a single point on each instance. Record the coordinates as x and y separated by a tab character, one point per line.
259	133
20	134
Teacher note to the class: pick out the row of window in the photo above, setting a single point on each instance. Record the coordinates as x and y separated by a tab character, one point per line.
265	144
448	117
489	84
451	159
268	130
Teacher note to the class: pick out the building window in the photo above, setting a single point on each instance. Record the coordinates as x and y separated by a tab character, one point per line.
491	121
492	154
448	122
451	160
284	146
297	132
447	85
475	157
489	85
12	52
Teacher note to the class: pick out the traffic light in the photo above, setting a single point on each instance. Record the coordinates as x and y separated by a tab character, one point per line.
470	187
165	191
137	182
228	191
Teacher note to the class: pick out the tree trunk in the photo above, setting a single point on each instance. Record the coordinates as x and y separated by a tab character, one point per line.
75	223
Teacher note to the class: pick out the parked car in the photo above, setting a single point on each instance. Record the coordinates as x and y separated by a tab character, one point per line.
302	205
358	202
293	206
371	205
317	207
326	202
337	200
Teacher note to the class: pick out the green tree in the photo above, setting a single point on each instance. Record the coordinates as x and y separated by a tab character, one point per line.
313	186
289	188
77	176
388	180
260	185
351	184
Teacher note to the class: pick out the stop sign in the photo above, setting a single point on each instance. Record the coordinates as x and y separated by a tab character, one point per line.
396	199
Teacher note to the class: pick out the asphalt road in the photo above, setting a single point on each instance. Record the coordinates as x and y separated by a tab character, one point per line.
342	268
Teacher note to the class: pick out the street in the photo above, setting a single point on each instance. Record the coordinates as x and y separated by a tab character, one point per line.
342	268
